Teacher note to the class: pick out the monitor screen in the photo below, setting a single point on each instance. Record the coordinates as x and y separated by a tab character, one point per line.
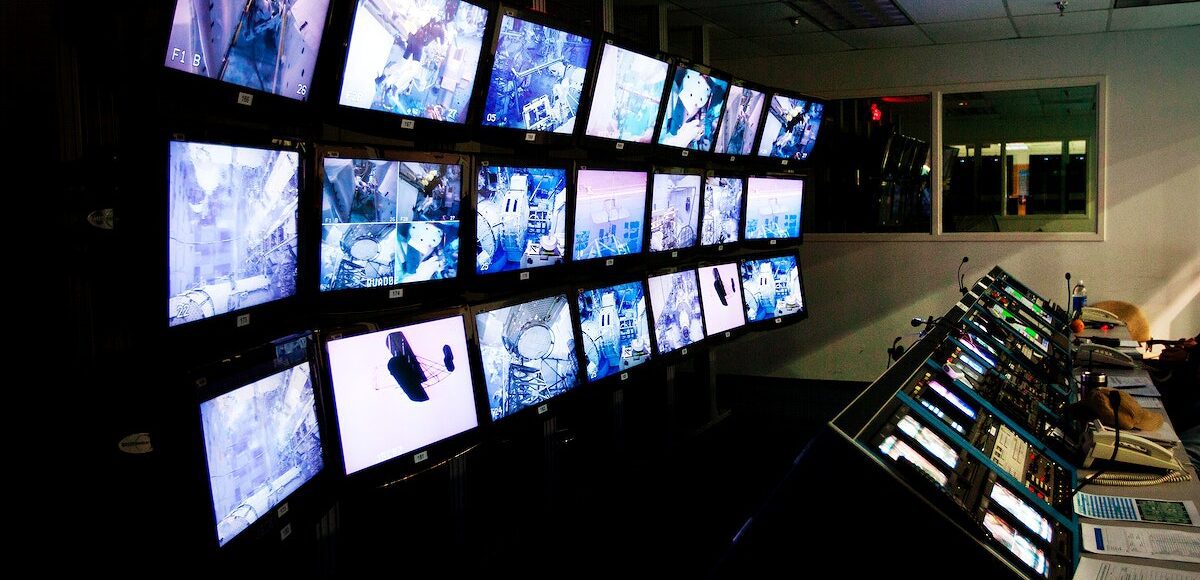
771	287
386	223
261	442
790	130
528	353
942	415
929	440
674	211
1036	522
629	88
722	217
231	229
400	389
742	112
678	319
537	78
1027	331
267	46
1019	545
609	209
953	399
721	297
773	208
694	105
415	58
613	323
521	217
895	448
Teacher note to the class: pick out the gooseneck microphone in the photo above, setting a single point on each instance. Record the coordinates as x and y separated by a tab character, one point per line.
962	289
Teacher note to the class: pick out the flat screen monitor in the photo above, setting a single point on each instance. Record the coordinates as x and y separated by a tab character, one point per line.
231	228
953	399
773	206
520	217
928	439
388	222
610	208
1020	509
1019	545
678	318
537	77
674	211
693	110
615	329
790	128
415	58
737	133
400	389
262	443
266	46
628	91
771	288
896	448
721	295
528	353
721	220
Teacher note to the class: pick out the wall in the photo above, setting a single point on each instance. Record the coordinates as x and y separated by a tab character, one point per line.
862	294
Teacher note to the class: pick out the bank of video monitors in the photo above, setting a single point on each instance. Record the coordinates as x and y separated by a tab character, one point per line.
613	322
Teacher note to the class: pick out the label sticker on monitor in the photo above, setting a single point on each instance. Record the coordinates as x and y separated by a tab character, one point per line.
773	242
407	124
732	158
530	137
543	408
778	320
728	334
721	248
674	254
285	532
684	351
784	162
243	320
624	376
608	262
524	275
396	293
334	154
422	456
684	153
283	510
246	99
620	146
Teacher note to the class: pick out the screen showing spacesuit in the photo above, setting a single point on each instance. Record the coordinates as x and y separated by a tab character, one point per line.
629	89
678	320
615	330
736	134
386	223
528	353
231	228
721	220
609	209
521	217
537	78
721	296
790	130
694	106
674	211
771	287
401	389
773	207
416	58
267	45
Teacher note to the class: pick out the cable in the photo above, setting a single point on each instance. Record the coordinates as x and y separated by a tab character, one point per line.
1139	479
962	289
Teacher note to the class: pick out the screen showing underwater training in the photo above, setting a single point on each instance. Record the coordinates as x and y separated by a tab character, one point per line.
693	110
610	207
742	112
773	206
771	287
790	129
615	329
721	220
528	353
678	319
674	211
628	91
521	217
720	295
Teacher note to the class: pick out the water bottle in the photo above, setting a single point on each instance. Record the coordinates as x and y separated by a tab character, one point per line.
1078	298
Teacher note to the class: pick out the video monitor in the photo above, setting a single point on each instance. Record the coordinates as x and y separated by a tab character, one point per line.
1029	517
266	46
932	443
720	294
388	222
721	220
773	207
615	329
737	133
790	128
537	77
1031	334
520	217
415	58
528	353
674	211
953	399
678	318
231	228
610	207
628	91
896	448
694	104
262	443
937	411
771	288
400	389
1019	545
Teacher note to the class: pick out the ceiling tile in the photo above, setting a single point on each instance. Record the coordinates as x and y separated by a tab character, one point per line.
1024	7
677	18
886	37
1054	25
1162	16
739	48
809	43
766	19
943	11
969	31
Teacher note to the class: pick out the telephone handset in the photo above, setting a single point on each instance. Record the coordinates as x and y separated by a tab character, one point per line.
1132	449
1092	353
1093	314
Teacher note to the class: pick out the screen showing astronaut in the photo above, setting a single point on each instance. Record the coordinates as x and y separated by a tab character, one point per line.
722	217
267	45
416	58
790	130
771	287
386	223
537	78
262	443
773	207
401	389
678	320
609	209
615	330
528	353
742	111
629	89
521	218
231	228
720	293
674	211
694	106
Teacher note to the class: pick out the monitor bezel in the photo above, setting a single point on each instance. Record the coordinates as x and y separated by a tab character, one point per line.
776	321
583	268
683	352
673	153
619	378
619	146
